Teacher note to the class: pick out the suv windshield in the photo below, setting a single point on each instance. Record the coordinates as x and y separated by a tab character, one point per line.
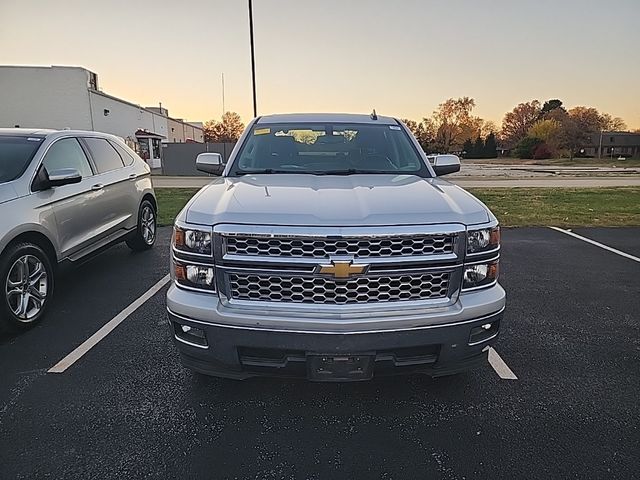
328	149
15	155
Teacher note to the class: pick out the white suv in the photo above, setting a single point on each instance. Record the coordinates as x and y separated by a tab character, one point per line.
63	196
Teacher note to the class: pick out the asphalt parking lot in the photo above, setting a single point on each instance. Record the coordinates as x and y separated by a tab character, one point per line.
127	409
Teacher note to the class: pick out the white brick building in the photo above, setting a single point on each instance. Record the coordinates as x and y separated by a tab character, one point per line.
69	97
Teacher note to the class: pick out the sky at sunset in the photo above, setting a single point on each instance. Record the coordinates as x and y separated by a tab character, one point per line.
402	57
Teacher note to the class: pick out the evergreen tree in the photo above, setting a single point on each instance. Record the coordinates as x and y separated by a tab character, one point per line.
490	146
478	148
551	105
467	148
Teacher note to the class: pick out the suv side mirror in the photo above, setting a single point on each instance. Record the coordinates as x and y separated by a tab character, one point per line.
210	163
64	176
445	164
57	178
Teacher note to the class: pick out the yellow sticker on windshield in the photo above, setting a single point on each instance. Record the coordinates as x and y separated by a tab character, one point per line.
262	131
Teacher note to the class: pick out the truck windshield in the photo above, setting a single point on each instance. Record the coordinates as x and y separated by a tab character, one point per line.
15	155
328	149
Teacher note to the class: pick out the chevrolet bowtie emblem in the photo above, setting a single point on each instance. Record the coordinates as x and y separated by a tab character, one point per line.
342	269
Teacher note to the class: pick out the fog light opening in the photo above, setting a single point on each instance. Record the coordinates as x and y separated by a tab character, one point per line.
484	332
191	335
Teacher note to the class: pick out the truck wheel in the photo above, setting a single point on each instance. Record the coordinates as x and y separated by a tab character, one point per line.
145	235
27	281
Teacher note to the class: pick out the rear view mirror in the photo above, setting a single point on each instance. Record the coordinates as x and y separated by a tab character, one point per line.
210	163
445	164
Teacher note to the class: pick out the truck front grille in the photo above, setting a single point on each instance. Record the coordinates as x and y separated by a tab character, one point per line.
328	291
303	247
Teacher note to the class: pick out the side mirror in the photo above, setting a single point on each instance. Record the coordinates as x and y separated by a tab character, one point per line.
445	164
64	176
210	163
57	178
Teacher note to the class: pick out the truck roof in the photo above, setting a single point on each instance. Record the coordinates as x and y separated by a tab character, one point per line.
325	118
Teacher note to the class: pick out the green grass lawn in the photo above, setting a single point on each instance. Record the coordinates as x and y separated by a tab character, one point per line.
171	201
568	207
514	207
557	162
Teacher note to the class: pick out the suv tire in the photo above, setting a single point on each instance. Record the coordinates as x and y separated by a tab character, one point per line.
26	286
145	235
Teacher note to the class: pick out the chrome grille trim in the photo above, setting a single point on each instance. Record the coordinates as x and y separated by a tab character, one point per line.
228	265
319	290
309	244
273	262
297	247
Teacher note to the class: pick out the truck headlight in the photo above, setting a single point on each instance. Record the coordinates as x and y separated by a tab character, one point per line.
192	240
480	275
195	276
483	240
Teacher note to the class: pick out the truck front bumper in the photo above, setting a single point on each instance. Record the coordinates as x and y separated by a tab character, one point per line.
217	340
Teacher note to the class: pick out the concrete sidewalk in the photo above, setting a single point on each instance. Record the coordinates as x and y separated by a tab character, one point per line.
562	182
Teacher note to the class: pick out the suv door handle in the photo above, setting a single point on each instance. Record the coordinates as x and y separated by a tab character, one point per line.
97	186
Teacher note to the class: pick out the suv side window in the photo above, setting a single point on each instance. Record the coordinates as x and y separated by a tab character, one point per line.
126	156
67	153
104	155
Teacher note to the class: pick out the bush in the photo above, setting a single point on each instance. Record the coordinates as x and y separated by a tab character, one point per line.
542	151
526	147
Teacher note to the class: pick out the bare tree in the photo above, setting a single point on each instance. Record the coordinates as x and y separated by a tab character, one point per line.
517	122
612	124
581	124
488	127
453	123
227	130
417	128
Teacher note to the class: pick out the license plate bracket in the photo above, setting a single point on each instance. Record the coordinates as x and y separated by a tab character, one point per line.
340	368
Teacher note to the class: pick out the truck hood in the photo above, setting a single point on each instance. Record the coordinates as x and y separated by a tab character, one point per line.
352	200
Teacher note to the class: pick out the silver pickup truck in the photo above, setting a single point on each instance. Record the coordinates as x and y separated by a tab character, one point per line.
330	248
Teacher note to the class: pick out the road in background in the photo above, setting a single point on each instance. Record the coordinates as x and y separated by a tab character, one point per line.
127	409
550	181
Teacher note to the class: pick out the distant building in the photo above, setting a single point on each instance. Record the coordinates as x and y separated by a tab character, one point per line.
69	97
613	144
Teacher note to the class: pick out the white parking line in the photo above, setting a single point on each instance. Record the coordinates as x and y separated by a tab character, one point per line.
597	244
93	340
501	368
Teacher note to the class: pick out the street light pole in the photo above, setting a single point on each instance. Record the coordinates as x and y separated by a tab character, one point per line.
253	59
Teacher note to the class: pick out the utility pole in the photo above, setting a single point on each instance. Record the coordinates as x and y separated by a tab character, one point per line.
600	145
253	59
223	109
